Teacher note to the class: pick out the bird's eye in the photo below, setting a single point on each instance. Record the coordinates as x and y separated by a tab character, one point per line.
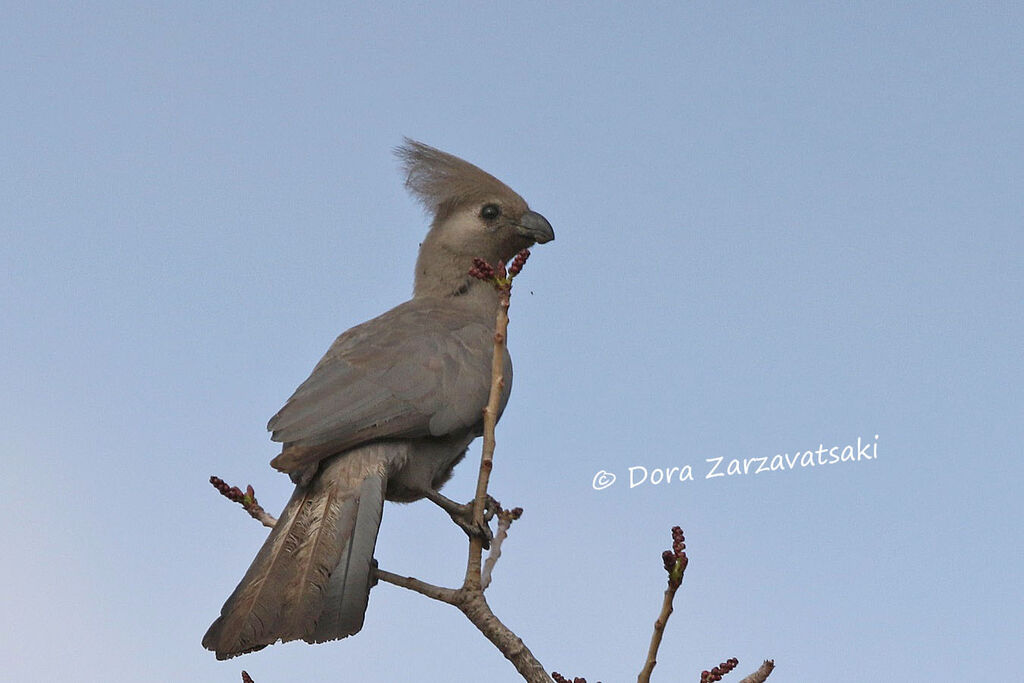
490	212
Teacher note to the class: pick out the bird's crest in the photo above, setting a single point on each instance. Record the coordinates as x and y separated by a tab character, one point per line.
442	182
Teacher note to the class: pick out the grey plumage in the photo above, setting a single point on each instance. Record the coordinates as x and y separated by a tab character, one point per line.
387	413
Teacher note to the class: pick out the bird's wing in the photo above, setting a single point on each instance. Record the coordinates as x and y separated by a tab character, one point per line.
421	369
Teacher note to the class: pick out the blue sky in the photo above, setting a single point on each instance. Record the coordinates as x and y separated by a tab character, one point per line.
778	228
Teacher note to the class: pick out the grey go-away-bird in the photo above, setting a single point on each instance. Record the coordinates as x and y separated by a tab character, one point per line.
386	415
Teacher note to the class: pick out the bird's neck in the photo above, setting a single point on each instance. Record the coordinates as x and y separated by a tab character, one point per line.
443	273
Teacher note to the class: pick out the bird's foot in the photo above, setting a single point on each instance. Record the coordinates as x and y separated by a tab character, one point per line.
462	514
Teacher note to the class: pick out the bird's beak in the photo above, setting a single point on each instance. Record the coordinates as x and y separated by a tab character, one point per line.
536	227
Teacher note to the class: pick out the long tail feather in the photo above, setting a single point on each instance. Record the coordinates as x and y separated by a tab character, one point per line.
349	587
312	577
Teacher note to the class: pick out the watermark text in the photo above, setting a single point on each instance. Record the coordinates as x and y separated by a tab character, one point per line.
720	466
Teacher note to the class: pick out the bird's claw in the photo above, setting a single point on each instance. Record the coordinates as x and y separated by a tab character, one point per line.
474	530
462	514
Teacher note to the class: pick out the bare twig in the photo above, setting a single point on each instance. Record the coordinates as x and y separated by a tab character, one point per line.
471	602
247	500
659	631
762	672
484	271
470	598
505	519
675	561
421	587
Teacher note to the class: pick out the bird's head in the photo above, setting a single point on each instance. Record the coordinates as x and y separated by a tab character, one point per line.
475	215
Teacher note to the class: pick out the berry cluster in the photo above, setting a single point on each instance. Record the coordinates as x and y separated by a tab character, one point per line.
675	560
716	673
482	270
518	262
559	678
233	493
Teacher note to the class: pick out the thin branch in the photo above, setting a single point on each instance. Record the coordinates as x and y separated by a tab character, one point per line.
762	672
675	562
473	604
659	631
421	587
505	519
472	579
247	500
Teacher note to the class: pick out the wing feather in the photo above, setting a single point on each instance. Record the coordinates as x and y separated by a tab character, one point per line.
421	369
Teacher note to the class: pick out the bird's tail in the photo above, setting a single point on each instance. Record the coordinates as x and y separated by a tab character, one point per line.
312	577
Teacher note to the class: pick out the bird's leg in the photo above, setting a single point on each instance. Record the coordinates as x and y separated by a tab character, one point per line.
462	514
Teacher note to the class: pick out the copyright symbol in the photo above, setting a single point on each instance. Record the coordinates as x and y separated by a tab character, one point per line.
603	480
